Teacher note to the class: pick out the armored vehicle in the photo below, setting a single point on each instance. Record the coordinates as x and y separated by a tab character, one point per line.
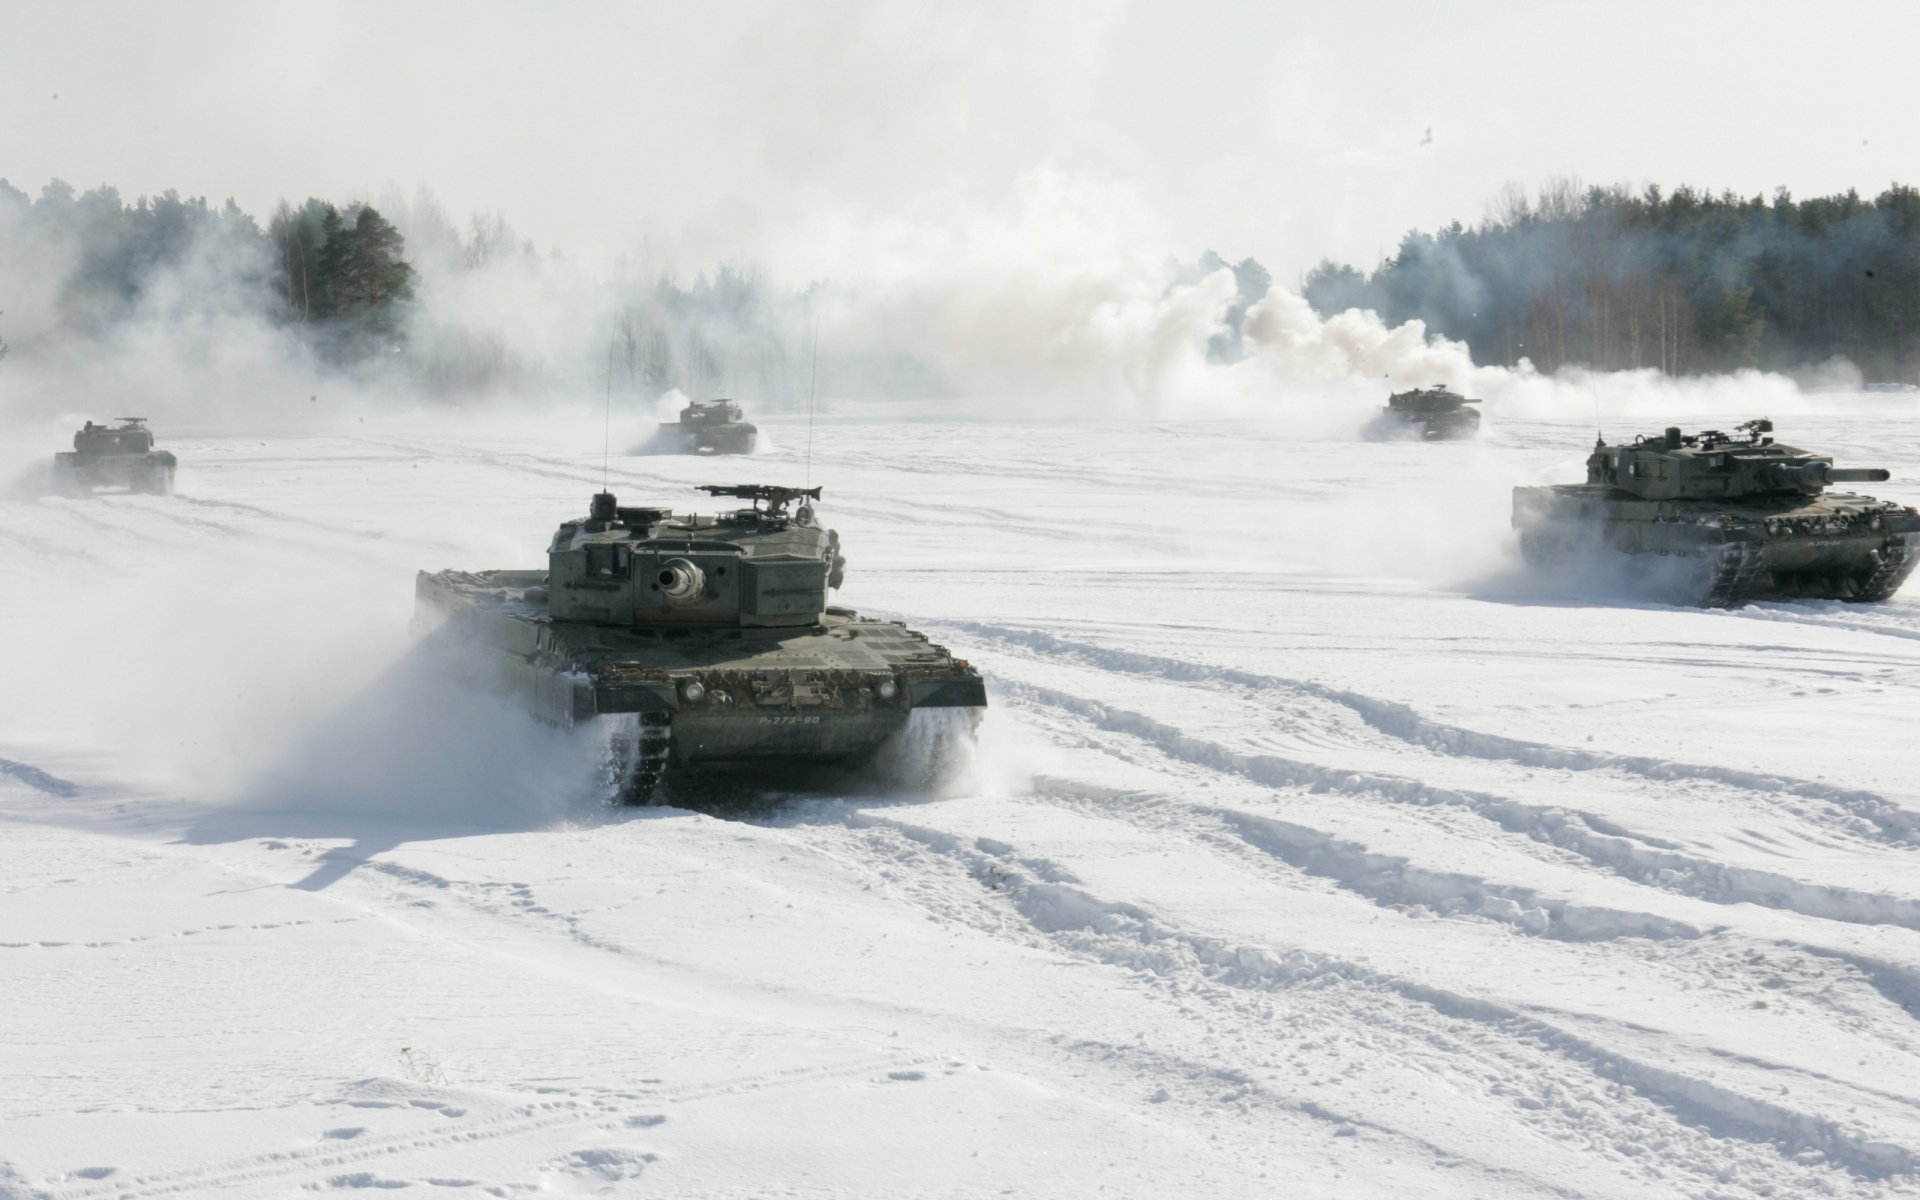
1717	519
109	456
698	639
1434	413
712	427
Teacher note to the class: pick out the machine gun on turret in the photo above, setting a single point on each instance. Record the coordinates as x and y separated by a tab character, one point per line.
775	497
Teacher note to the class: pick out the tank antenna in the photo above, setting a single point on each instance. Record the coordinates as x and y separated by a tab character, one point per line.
606	421
813	382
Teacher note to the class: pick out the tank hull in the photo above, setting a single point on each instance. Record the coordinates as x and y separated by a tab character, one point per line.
1834	545
829	692
1436	427
735	437
75	473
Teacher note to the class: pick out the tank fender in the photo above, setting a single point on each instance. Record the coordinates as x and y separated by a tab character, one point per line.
964	691
606	697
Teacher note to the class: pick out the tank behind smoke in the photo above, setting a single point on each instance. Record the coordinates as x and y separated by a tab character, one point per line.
106	456
1434	414
711	427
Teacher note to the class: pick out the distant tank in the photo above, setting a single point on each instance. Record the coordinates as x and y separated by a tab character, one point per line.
1718	519
699	639
712	427
113	456
1435	414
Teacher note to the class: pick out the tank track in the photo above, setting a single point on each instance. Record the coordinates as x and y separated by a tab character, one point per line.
637	755
1897	562
1739	574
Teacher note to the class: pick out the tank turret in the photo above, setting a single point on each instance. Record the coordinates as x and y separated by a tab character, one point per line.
710	412
697	640
758	566
1712	465
1723	518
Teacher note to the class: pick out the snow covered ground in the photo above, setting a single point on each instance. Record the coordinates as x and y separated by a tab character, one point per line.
1313	849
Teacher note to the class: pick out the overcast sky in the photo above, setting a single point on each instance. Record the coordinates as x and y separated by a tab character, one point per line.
779	132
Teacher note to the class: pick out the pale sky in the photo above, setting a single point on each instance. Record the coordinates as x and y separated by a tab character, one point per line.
778	132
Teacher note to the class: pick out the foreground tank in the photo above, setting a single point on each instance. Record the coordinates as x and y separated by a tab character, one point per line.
713	427
1433	414
114	456
1718	519
699	639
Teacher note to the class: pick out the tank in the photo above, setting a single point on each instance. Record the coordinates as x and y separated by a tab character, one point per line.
113	456
1717	519
1434	414
712	427
699	641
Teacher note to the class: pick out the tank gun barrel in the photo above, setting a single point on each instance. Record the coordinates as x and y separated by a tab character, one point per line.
681	581
1812	476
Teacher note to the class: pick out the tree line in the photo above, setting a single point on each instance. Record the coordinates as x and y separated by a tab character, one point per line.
344	278
1684	281
341	273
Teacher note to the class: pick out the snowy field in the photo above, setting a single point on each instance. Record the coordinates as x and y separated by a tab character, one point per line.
1312	849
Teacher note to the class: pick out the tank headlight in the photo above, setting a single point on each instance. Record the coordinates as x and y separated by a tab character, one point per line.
1876	523
888	689
694	692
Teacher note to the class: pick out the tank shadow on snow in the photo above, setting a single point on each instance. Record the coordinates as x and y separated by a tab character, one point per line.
415	757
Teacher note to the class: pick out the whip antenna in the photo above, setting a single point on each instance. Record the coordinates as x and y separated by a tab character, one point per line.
812	387
606	423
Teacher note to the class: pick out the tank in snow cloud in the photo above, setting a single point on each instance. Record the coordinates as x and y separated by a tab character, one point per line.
113	456
701	641
712	427
1717	519
1433	414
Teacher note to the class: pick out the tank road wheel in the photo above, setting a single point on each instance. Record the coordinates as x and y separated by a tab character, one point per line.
1897	561
637	752
1542	550
1734	573
67	482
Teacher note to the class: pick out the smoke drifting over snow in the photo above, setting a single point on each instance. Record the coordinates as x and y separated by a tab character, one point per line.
1067	302
1070	301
